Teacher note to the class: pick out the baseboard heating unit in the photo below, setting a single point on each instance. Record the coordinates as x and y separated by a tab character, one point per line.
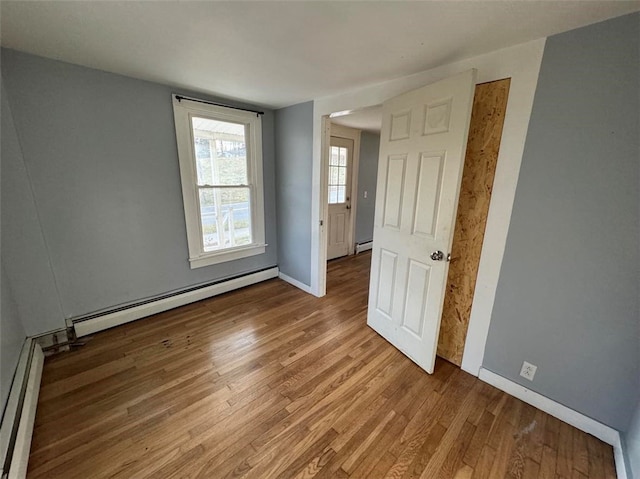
20	412
360	247
100	321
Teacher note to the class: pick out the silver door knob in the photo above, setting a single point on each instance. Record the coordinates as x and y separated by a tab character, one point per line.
437	255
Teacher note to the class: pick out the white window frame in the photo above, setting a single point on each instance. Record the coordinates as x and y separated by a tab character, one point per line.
183	110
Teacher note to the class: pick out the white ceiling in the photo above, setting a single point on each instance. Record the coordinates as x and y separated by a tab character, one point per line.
368	119
280	53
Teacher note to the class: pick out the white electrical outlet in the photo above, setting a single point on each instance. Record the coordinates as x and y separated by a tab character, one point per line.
528	370
365	194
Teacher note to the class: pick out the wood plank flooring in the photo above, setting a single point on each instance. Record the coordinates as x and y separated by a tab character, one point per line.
269	382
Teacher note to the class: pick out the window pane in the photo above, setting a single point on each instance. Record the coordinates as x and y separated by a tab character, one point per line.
333	194
221	152
204	164
208	219
343	157
334	157
342	176
225	215
333	175
341	194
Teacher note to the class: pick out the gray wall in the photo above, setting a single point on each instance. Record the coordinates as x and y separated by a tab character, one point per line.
12	336
24	252
294	143
567	298
367	179
12	331
632	443
101	154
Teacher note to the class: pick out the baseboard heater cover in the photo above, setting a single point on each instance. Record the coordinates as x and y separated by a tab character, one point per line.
108	319
20	412
360	247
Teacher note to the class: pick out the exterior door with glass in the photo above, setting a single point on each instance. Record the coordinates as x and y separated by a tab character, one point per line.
339	220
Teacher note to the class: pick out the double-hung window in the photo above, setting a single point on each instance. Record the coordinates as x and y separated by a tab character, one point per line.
220	154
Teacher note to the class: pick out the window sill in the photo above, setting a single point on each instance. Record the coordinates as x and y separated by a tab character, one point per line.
215	257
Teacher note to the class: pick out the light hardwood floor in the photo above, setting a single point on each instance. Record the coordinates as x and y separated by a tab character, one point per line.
270	382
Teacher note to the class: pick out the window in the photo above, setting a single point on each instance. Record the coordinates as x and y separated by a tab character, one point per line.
220	153
337	175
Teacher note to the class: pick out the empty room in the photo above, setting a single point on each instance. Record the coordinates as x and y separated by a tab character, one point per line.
317	239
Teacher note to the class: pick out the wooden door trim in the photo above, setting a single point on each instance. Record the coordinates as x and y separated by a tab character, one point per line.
479	171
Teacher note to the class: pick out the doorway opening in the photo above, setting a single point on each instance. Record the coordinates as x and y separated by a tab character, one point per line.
489	108
352	144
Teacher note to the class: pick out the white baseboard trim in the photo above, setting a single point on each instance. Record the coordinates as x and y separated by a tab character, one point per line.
574	418
295	282
100	323
360	247
21	411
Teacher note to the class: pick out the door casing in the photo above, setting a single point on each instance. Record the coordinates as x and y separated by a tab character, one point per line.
353	134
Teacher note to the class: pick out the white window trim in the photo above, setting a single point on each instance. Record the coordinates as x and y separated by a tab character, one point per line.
183	109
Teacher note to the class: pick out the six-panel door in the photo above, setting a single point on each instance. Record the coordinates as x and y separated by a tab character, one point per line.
422	147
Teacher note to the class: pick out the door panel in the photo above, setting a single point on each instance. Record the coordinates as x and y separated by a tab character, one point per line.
415	302
400	125
384	303
337	228
430	175
394	191
339	221
424	133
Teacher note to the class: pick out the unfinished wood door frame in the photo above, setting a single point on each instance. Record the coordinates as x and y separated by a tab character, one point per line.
481	159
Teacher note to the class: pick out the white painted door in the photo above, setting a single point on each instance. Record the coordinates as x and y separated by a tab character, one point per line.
422	148
340	161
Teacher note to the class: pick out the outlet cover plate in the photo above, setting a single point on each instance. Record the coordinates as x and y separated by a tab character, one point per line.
528	370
